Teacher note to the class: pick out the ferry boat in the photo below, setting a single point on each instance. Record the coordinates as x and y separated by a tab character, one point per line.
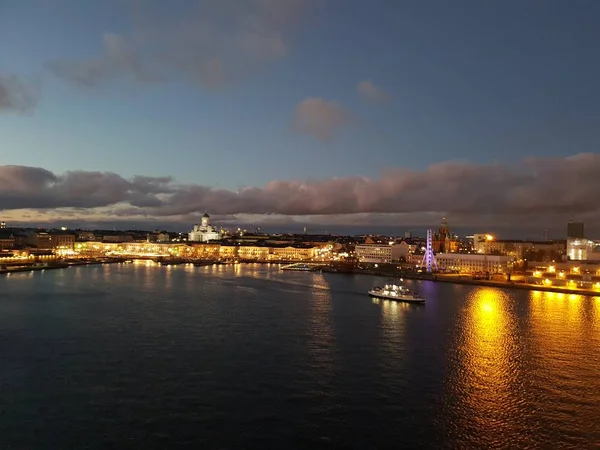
398	292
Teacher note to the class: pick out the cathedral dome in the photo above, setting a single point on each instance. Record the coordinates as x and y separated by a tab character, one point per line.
206	215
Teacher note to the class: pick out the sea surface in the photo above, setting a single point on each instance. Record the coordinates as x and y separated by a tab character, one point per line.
251	357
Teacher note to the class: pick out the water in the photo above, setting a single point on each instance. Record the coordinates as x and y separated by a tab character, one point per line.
248	357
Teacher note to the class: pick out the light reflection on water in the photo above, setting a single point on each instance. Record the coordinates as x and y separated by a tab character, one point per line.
321	342
487	379
288	355
527	369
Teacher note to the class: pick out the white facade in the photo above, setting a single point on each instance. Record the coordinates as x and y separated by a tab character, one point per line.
468	263
583	249
204	232
376	253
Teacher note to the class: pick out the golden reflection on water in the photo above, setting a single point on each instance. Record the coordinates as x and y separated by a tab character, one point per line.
515	353
486	381
596	315
488	340
559	325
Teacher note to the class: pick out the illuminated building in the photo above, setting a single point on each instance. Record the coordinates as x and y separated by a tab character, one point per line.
253	252
553	250
2	225
228	251
124	248
158	237
7	240
443	240
290	253
480	240
85	235
376	253
40	240
62	241
117	238
467	263
583	249
204	232
202	251
578	247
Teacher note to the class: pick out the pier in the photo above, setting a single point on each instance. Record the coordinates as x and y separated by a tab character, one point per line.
305	267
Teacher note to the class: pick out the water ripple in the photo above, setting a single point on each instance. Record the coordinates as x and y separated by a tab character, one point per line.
248	357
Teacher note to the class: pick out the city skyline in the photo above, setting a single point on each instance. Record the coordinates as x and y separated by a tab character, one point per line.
282	114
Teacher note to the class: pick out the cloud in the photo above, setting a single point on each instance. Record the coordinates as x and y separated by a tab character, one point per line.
206	43
17	96
538	192
369	91
320	118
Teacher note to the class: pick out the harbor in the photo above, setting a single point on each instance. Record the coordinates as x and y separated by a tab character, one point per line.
334	268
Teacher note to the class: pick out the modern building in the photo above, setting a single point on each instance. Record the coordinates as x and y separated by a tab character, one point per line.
204	232
380	253
575	230
579	248
583	249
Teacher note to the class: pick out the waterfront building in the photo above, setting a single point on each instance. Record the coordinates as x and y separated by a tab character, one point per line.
571	274
41	240
228	251
7	240
380	253
203	250
581	249
468	263
197	250
253	252
63	242
204	231
292	253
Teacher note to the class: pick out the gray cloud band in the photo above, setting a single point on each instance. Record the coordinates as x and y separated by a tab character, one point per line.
534	188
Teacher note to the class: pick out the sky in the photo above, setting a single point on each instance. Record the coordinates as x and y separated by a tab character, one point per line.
326	113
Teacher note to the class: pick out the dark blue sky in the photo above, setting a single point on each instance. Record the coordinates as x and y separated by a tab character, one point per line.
464	80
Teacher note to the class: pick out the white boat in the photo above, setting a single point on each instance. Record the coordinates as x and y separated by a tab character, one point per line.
398	292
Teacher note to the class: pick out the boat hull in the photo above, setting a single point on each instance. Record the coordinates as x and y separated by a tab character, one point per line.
397	298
